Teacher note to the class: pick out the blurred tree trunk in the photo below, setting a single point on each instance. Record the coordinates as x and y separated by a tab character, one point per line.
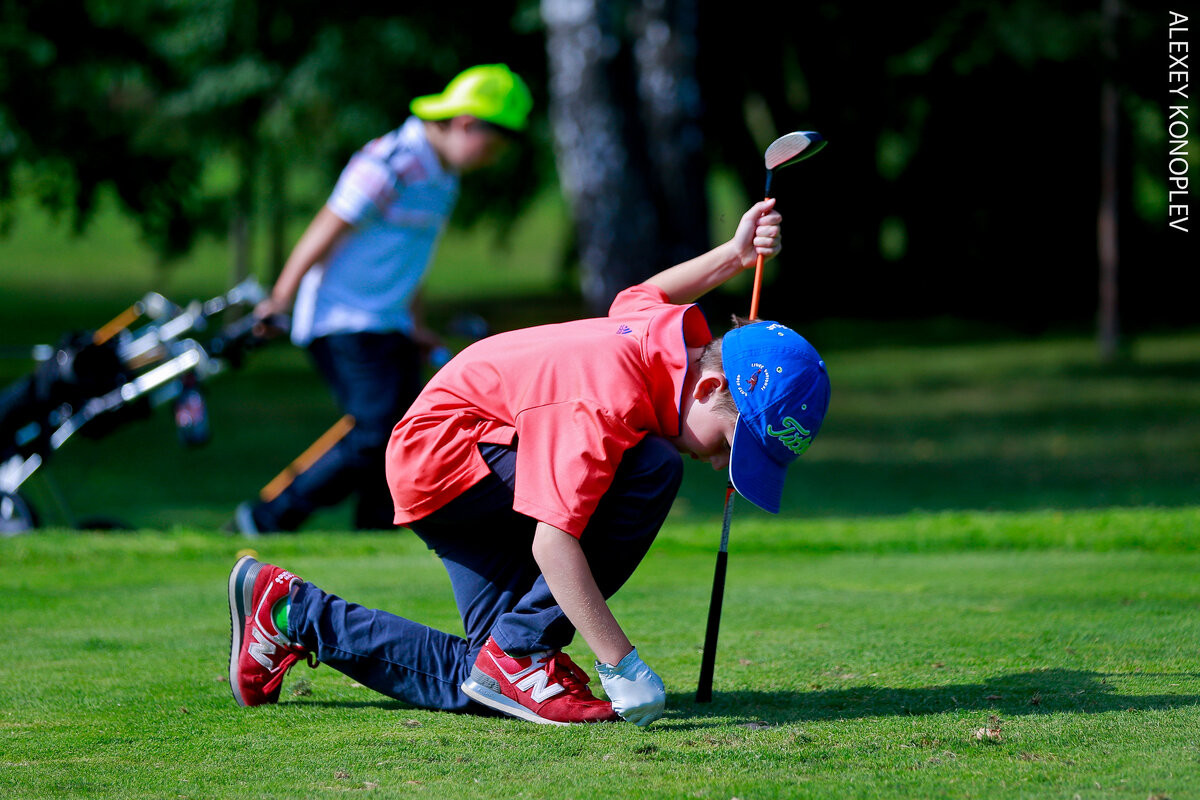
241	232
625	108
277	205
1108	333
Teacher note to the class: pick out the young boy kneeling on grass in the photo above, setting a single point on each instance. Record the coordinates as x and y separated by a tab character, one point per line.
539	465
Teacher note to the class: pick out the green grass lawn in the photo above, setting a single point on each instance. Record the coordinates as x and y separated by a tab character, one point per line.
1013	425
855	661
986	527
949	422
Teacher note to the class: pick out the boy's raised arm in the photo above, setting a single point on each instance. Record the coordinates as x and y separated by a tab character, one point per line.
757	232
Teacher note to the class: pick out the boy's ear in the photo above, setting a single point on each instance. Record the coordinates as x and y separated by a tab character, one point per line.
709	383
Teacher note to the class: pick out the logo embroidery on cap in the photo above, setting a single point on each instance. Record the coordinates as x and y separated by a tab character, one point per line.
748	385
793	436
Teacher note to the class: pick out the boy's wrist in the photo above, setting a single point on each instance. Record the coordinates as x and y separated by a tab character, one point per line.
620	664
731	260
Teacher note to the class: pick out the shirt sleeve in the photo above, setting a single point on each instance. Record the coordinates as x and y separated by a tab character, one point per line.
642	297
567	456
365	185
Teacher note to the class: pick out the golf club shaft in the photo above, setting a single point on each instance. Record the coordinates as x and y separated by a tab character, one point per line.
709	659
324	443
783	151
758	273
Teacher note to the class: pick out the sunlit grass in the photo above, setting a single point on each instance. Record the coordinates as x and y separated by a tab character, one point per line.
855	660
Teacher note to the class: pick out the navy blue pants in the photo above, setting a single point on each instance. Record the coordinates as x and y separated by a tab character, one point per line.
375	377
486	549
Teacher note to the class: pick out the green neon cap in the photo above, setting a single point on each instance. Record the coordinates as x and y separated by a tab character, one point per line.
490	92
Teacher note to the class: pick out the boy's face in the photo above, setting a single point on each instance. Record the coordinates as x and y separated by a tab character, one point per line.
472	144
706	434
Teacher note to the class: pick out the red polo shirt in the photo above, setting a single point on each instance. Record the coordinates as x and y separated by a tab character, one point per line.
577	395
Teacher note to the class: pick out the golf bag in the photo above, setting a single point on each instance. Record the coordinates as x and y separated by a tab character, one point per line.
92	382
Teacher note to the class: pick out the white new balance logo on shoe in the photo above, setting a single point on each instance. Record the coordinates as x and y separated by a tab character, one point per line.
262	649
535	684
536	680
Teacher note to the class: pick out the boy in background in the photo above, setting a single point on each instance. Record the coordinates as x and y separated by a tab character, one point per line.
355	278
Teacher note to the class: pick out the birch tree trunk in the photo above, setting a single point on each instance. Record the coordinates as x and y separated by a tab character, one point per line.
1107	319
624	107
241	219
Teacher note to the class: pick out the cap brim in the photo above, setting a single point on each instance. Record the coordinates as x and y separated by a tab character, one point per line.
435	107
753	473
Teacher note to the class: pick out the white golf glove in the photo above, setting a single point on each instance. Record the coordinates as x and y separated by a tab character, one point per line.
636	692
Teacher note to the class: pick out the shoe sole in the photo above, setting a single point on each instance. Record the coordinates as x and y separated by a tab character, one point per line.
241	596
502	703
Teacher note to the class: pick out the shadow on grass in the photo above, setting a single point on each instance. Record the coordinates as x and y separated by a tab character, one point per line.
387	704
383	703
1049	691
1046	691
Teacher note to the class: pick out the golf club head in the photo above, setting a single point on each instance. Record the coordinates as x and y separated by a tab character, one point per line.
793	147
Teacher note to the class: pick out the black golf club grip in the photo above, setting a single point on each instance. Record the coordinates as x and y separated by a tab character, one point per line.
708	660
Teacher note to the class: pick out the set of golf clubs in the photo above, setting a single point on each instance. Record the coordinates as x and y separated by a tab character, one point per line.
783	152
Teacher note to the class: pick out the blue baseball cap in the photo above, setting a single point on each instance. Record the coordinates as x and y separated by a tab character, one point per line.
781	389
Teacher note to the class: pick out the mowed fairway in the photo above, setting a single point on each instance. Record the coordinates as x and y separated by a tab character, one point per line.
1033	631
952	655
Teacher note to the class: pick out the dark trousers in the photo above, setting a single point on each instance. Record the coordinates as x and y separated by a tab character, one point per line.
375	377
486	549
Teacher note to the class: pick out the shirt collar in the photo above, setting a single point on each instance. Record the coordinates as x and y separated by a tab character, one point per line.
672	333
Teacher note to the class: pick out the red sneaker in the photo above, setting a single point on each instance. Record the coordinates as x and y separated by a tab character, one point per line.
547	688
260	654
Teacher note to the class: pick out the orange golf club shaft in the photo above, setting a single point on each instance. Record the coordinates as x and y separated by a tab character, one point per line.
757	286
758	270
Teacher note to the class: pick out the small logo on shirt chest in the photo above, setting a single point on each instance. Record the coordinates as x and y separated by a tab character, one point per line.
624	329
